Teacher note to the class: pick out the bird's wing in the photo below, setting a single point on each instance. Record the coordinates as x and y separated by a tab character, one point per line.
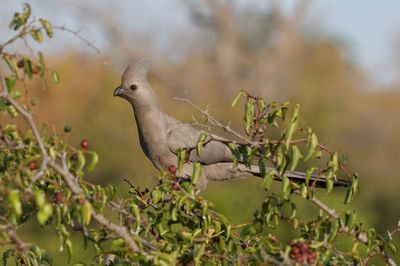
182	135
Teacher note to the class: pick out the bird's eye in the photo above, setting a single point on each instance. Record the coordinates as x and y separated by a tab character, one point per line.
133	87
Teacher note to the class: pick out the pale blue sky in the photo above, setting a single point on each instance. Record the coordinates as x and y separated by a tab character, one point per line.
368	27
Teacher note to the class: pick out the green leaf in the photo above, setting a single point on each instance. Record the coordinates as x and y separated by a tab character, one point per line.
181	158
39	198
36	34
47	27
309	174
371	233
247	153
196	172
93	161
200	142
311	146
237	97
353	189
317	245
292	126
266	183
235	152
349	219
286	187
36	250
289	134
28	67
11	64
42	64
86	212
81	161
156	196
296	110
333	229
198	253
296	156
174	214
13	197
392	247
44	213
304	191
10	82
15	94
330	180
334	162
68	245
55	76
134	209
249	115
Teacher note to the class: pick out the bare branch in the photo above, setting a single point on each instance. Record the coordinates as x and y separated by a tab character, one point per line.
214	121
87	42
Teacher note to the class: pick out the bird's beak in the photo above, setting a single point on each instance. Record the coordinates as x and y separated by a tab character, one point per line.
119	91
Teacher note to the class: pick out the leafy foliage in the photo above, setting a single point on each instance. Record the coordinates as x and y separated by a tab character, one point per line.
42	178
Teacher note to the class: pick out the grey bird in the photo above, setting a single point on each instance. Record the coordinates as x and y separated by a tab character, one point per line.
161	136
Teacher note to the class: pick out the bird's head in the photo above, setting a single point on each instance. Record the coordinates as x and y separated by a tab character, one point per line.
134	86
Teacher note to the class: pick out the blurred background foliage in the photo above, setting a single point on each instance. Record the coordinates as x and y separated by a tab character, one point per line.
223	48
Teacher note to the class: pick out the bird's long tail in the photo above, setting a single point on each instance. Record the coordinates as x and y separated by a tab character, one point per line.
300	177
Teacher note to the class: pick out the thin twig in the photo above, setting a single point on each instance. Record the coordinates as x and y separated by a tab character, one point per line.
83	39
214	121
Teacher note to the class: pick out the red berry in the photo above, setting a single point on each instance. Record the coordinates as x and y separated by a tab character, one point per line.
81	201
59	197
299	259
175	186
312	255
85	144
303	247
295	250
20	63
35	69
310	260
33	166
172	169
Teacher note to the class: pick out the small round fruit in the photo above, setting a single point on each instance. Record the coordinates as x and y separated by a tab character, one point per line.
303	247
295	250
35	69
310	260
59	197
81	201
175	186
33	166
85	144
172	169
300	259
20	63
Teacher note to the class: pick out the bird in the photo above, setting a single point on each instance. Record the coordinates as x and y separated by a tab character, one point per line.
161	136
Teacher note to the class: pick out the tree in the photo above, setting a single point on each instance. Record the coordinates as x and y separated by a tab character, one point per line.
42	179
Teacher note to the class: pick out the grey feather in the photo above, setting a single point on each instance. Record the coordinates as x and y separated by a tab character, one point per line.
161	136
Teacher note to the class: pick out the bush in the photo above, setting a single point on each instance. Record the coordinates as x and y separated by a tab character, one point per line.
42	179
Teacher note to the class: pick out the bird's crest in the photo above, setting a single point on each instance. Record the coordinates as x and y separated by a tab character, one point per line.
137	70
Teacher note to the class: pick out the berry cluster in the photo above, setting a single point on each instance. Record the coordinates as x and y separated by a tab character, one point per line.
300	253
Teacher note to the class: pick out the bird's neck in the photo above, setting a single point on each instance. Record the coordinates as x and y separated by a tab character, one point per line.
149	118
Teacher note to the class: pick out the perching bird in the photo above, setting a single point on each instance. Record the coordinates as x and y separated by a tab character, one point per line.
161	136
